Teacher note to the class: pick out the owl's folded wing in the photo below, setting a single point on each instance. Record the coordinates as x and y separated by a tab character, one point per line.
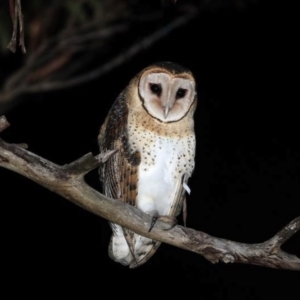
119	175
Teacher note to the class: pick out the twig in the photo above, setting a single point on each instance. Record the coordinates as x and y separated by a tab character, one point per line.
68	182
14	15
87	163
17	18
284	234
21	26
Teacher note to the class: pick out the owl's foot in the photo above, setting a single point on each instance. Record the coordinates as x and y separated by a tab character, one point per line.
167	219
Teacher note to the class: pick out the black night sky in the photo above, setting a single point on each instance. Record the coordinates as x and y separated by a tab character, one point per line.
245	186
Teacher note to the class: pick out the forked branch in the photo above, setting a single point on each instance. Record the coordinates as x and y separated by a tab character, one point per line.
68	182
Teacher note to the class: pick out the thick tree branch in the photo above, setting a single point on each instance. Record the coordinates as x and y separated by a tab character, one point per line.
68	182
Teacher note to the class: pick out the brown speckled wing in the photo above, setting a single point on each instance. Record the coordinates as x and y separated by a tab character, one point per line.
119	175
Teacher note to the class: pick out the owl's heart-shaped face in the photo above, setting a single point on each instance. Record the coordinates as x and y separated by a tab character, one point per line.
167	97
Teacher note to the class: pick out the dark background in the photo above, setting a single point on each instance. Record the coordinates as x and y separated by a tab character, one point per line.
245	186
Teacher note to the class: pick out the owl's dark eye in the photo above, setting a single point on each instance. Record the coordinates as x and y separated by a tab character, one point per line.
155	88
180	93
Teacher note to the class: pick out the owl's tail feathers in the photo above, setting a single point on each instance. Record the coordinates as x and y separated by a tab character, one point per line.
118	249
144	249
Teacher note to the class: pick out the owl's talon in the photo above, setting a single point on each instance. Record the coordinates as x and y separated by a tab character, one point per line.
154	219
167	219
172	221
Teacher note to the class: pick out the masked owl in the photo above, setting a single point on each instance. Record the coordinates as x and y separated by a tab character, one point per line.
151	124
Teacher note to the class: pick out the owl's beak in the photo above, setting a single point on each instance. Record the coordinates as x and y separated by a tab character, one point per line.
166	111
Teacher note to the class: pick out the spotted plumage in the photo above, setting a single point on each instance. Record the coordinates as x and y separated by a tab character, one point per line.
151	124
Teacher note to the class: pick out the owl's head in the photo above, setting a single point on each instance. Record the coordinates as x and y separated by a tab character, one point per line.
167	91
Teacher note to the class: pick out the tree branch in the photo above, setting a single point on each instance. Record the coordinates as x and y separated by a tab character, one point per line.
68	182
17	18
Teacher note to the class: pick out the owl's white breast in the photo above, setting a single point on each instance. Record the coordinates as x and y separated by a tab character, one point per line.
164	161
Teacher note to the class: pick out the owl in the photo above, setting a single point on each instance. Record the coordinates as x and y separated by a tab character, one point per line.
151	124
